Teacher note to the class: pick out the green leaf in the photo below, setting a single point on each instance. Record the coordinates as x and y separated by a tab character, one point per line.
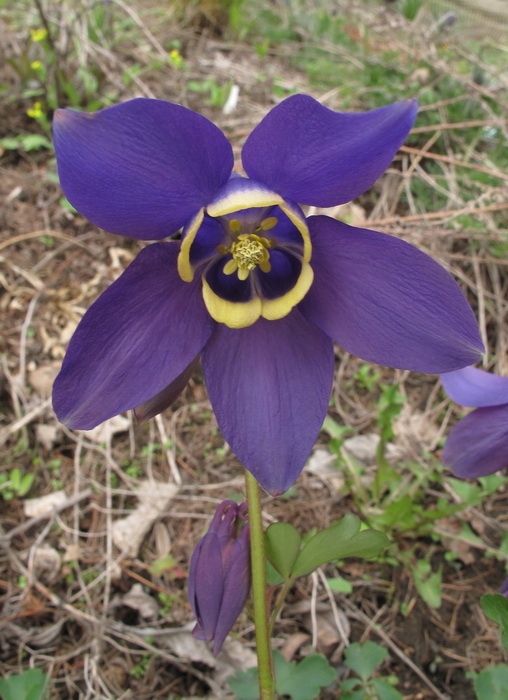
244	684
399	514
334	429
340	540
428	584
162	565
495	607
29	685
350	684
64	202
491	683
32	142
302	681
363	659
356	695
15	479
321	548
282	542
26	484
384	690
469	493
11	143
273	578
492	482
340	585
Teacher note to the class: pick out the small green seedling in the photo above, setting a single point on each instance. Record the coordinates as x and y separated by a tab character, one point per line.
496	608
299	681
15	483
491	683
29	685
364	659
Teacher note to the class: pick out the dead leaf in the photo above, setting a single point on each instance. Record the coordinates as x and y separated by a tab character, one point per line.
183	645
47	435
162	540
154	499
459	547
43	377
72	553
293	643
234	656
105	431
44	505
322	463
144	604
327	633
364	447
46	564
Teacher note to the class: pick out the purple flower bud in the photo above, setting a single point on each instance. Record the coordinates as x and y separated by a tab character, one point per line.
219	575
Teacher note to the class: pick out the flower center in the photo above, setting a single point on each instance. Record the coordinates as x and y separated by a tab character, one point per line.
248	252
252	249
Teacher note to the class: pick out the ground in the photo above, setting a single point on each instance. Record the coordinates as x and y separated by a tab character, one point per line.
93	590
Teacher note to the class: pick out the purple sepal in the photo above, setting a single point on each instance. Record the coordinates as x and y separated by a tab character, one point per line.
137	338
167	397
219	574
271	402
478	444
142	168
387	302
471	386
313	155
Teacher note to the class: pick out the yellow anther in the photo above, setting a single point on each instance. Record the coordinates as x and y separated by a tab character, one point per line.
235	226
230	267
268	223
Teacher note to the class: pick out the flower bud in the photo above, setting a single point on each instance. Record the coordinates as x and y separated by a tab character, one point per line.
220	575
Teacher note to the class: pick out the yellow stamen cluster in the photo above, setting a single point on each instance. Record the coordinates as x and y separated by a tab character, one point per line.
248	250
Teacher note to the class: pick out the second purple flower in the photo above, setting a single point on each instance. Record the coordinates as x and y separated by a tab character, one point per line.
478	444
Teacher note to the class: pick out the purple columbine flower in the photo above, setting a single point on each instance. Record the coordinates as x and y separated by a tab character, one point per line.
254	288
219	574
478	444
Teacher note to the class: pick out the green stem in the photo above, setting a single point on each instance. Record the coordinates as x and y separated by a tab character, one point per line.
263	650
280	601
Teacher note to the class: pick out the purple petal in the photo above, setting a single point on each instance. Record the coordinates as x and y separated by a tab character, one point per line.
236	589
387	302
504	588
269	385
141	168
167	397
313	155
478	444
206	586
137	338
474	387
